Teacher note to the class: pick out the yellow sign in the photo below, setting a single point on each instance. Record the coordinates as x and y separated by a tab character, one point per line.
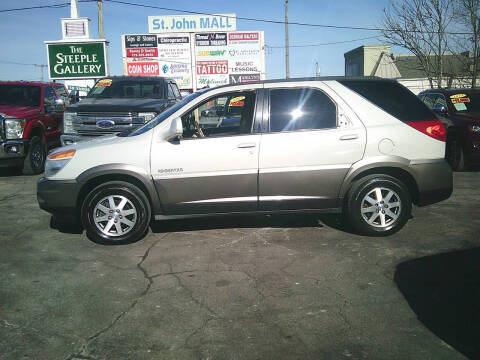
456	96
104	83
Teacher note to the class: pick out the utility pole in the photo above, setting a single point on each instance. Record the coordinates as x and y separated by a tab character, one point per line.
317	70
287	50
101	34
74	9
41	66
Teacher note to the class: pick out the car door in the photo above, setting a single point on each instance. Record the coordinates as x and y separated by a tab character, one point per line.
211	169
51	117
313	139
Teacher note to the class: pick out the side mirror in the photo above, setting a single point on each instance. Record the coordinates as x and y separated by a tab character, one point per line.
439	108
74	97
176	129
59	105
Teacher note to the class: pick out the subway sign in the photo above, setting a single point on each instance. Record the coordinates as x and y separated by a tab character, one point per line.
191	23
82	60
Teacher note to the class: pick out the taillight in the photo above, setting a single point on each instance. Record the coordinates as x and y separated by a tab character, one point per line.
433	128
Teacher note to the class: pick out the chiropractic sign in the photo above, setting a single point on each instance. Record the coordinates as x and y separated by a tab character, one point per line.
77	60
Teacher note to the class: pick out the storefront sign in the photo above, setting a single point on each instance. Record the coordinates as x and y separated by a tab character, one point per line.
143	68
76	60
191	23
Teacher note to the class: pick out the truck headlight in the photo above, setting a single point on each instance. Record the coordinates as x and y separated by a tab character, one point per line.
14	128
475	128
56	161
147	116
68	118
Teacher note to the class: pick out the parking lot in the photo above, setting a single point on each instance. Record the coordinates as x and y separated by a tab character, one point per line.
298	286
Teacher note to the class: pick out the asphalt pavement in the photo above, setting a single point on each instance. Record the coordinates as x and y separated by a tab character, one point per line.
279	287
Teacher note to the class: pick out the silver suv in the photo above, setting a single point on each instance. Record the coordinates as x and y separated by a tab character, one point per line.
366	147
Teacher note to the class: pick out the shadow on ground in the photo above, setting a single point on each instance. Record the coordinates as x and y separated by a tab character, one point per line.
10	171
253	221
336	221
444	291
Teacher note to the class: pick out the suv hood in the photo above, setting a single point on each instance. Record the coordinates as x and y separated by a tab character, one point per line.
18	111
470	117
118	104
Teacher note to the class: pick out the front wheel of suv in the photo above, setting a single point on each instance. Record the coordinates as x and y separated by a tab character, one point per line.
378	205
116	212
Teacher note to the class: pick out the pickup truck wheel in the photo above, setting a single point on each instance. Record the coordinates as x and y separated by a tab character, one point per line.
378	205
34	162
116	213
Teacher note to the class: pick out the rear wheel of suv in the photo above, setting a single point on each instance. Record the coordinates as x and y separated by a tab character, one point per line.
34	162
116	212
378	205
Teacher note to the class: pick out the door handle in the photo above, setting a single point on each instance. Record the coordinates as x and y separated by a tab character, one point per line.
246	145
349	137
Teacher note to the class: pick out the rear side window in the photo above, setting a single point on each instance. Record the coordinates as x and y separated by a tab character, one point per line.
393	98
301	109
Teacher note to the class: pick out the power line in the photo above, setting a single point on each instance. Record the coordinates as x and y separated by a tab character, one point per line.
322	44
275	21
239	17
37	7
18	63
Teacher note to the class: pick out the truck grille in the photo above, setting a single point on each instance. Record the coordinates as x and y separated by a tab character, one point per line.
86	123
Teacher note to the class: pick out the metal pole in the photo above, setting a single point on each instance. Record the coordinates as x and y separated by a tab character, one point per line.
74	9
287	50
101	34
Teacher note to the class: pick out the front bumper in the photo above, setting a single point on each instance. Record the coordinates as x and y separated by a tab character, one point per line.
58	196
434	179
12	152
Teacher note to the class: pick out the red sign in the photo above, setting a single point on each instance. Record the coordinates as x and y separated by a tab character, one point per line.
243	36
212	67
143	69
142	52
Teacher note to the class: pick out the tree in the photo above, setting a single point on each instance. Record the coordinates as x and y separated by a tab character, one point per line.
466	14
420	26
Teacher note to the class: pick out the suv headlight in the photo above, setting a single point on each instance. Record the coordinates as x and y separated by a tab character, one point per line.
147	116
68	118
14	128
56	161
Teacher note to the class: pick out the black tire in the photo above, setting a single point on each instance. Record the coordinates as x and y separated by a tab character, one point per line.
383	224
136	200
34	162
455	155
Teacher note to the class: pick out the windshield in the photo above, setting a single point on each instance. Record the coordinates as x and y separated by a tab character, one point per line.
466	103
131	88
20	95
164	115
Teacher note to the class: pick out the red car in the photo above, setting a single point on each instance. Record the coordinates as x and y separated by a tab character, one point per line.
31	115
459	111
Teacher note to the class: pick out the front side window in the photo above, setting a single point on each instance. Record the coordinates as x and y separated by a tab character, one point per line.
466	102
48	96
301	109
61	92
223	115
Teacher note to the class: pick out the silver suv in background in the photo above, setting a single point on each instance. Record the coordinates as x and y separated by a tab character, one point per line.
367	147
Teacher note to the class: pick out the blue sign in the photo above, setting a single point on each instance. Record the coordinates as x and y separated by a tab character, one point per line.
191	23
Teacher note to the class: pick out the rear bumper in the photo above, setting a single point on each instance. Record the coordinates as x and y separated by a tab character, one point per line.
58	196
434	179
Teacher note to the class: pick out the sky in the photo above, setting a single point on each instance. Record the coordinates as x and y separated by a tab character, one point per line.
24	32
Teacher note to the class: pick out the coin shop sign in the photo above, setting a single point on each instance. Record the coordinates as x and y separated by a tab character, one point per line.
77	60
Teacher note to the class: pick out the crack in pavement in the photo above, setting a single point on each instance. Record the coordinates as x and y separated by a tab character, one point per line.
81	354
